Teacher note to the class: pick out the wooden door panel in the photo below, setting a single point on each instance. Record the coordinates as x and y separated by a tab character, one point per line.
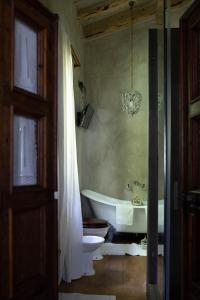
190	141
193	153
20	101
28	213
5	253
24	198
5	152
193	251
194	56
34	253
29	232
52	249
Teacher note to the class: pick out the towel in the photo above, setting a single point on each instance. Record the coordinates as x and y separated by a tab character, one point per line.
124	214
77	296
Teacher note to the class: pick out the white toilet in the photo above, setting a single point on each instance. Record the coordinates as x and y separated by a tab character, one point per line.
95	227
90	244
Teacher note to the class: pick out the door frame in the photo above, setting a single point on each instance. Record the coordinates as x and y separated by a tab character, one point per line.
173	259
186	100
172	203
152	221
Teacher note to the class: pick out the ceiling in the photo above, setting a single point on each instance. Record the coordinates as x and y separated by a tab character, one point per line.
103	17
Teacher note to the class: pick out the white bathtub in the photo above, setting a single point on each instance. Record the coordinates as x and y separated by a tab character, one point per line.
104	207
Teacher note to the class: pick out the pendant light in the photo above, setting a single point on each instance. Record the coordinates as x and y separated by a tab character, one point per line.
131	99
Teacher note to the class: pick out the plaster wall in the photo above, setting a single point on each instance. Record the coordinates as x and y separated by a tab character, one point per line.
116	144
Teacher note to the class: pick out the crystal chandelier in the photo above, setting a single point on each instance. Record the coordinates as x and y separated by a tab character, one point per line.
131	99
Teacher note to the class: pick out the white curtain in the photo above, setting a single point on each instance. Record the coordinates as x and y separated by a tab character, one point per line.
70	217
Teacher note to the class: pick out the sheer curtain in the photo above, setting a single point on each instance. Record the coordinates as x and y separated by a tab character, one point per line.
25	57
70	217
25	151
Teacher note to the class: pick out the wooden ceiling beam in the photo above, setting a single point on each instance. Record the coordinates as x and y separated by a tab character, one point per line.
120	21
151	10
159	16
178	3
102	9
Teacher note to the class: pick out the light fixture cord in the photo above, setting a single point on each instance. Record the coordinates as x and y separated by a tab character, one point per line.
131	4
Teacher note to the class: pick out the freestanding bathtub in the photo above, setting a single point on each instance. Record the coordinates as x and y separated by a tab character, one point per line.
104	207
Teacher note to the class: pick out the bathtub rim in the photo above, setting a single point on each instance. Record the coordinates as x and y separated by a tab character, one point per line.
101	198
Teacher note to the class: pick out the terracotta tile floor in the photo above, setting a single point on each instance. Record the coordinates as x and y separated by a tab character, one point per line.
122	276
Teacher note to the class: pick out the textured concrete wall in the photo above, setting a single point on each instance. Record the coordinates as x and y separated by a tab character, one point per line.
116	144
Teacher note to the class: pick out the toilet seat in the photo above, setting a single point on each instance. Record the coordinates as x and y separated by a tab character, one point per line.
95	227
94	223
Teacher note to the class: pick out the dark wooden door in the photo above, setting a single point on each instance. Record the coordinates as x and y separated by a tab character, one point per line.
190	145
28	211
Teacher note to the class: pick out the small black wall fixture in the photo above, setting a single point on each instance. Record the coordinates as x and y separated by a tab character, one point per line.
82	87
84	117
